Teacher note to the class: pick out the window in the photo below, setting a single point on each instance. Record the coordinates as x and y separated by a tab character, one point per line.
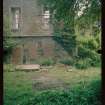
25	56
15	18
39	44
46	18
40	48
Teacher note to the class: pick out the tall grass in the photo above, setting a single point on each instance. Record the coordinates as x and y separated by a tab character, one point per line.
84	88
90	95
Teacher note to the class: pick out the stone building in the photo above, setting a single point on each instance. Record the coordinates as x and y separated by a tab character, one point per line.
31	29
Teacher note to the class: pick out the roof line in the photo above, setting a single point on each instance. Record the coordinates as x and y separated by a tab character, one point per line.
30	36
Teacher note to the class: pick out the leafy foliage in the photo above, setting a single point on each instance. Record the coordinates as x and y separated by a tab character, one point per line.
46	61
84	87
82	96
8	42
83	63
66	14
62	18
87	50
67	61
9	68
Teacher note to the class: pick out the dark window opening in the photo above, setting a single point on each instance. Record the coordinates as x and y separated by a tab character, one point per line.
15	18
40	49
46	18
25	56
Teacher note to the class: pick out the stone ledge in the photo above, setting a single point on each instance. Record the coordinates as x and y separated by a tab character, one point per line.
37	35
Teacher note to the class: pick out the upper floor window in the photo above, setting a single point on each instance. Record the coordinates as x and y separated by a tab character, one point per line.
46	18
15	12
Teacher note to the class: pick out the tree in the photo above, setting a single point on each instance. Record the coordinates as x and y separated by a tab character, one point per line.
66	14
90	16
62	18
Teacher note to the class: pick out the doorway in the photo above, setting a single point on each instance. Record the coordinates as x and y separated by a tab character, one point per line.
25	56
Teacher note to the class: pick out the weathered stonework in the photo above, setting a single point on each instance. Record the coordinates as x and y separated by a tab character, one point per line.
33	40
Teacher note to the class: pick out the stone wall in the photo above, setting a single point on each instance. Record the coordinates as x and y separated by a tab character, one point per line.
31	19
33	41
30	49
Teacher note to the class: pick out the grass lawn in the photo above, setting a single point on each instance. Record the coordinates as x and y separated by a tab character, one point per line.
50	87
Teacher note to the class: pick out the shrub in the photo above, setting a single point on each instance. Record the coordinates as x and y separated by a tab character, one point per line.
83	52
96	61
89	95
88	42
67	61
95	58
92	44
8	67
87	47
46	62
8	42
83	63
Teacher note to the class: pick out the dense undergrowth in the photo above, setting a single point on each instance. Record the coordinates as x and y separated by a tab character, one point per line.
85	89
90	95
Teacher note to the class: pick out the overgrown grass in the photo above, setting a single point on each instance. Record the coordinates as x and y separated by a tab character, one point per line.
89	95
84	88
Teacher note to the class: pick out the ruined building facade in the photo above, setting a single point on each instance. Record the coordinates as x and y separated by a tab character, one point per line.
31	29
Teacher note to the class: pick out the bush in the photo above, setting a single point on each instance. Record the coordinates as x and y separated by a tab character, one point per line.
8	67
8	42
89	95
96	61
83	63
88	42
67	61
46	62
87	47
83	52
92	44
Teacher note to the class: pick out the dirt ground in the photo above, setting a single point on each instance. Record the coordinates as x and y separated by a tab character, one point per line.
49	78
46	81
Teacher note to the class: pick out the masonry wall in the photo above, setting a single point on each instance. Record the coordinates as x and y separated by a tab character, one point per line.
30	49
31	17
33	41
